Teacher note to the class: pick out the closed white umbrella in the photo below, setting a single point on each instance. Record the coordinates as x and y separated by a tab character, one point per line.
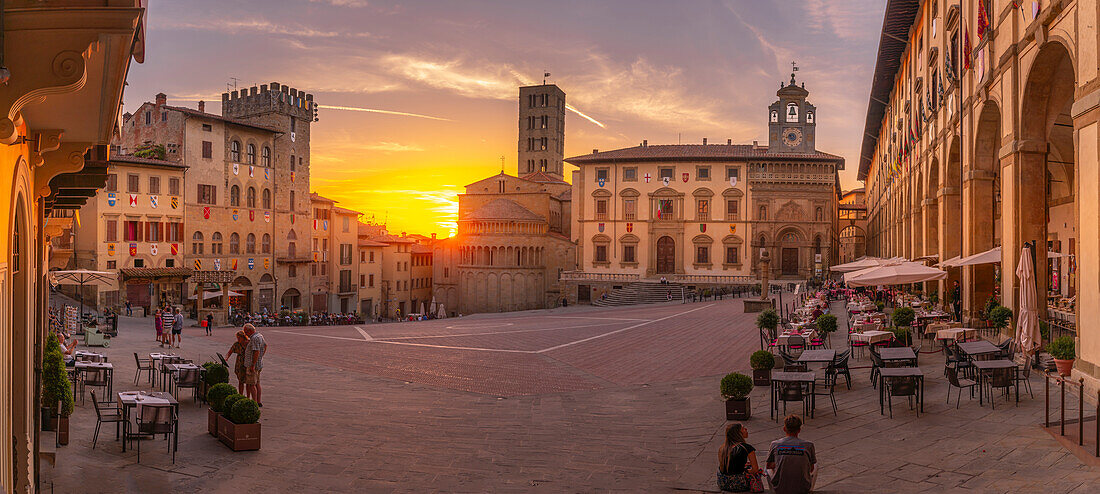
1027	321
895	273
442	313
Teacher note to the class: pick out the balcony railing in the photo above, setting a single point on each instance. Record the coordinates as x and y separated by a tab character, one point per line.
583	276
713	278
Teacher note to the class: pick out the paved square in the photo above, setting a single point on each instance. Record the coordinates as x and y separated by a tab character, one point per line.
578	399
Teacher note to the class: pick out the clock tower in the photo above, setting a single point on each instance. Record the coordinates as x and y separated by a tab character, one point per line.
791	120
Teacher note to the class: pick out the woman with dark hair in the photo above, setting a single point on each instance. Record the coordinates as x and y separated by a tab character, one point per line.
737	461
239	348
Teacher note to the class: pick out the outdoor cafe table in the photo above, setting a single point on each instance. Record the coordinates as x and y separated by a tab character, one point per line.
897	353
975	348
129	399
872	337
110	368
985	365
817	356
955	333
156	359
81	353
886	372
783	337
809	378
172	370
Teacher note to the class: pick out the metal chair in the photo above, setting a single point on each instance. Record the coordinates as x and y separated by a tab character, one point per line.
796	342
105	415
1023	371
188	378
156	419
792	391
901	386
876	364
828	385
1001	379
788	360
94	378
143	365
953	381
839	366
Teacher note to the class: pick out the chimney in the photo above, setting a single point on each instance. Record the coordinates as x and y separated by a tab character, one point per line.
645	142
433	236
729	142
704	141
755	143
162	99
594	151
202	106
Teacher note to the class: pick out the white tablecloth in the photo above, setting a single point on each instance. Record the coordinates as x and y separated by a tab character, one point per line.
955	333
872	337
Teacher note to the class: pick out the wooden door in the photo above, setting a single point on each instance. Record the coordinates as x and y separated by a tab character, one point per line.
666	255
790	261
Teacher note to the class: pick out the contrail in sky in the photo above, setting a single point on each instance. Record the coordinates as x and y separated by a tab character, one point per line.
586	117
386	112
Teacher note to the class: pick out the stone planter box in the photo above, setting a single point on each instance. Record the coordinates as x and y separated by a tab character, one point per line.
239	437
212	418
738	409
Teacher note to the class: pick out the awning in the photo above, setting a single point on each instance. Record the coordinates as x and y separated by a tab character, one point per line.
862	263
215	294
993	256
156	272
894	273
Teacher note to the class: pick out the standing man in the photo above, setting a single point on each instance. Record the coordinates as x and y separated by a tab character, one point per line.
956	301
254	358
209	324
129	309
177	329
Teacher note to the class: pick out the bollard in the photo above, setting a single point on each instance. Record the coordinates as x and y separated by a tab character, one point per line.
1062	383
1046	393
1081	413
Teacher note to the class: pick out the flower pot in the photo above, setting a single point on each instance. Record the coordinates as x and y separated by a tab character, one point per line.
62	430
212	421
239	437
738	409
761	377
1065	367
49	419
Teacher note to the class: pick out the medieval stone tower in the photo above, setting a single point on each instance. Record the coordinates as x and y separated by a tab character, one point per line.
541	130
290	112
791	120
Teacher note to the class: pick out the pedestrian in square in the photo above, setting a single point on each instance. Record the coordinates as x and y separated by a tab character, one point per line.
177	329
254	356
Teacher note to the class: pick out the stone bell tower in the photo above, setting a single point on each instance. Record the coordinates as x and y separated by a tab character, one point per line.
791	120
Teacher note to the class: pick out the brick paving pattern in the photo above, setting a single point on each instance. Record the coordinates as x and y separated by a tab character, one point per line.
583	400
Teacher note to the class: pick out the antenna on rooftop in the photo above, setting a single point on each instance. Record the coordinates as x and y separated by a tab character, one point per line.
544	76
232	84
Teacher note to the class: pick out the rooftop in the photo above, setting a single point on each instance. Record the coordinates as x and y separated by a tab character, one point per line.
502	209
212	116
543	178
137	160
313	196
696	152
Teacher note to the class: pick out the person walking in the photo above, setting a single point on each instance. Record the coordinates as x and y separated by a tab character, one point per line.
209	324
177	329
158	324
254	357
956	301
129	309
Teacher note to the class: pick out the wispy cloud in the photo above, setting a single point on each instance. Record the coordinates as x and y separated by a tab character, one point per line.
252	26
343	3
847	19
586	117
392	147
385	112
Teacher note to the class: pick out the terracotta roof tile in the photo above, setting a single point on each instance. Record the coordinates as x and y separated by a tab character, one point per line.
543	178
137	160
502	209
155	272
194	112
697	152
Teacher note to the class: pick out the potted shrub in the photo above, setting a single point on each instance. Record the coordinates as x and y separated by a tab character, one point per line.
239	427
57	394
215	373
1063	351
735	390
826	324
762	363
768	320
216	396
1044	330
1000	316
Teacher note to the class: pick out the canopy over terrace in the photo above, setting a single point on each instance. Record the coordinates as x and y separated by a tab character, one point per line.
153	287
894	273
863	263
83	278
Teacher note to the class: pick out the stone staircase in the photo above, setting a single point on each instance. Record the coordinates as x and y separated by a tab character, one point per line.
643	292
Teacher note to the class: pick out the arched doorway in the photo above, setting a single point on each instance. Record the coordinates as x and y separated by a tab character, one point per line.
292	299
1046	169
666	255
242	302
22	328
788	253
267	292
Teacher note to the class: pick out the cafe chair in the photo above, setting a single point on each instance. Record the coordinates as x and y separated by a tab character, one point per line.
856	344
156	419
766	341
901	386
796	342
788	360
188	378
839	367
827	387
94	378
106	415
876	364
956	360
953	381
1023	371
143	365
1002	379
792	391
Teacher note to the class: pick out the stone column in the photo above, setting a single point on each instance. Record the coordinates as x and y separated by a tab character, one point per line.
765	272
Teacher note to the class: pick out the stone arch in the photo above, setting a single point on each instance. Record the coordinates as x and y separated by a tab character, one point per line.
982	205
931	211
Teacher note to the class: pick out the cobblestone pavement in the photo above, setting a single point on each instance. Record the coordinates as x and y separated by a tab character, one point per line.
574	399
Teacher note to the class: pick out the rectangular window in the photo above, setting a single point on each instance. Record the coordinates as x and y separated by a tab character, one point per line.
666	172
173	232
733	172
732	212
601	253
164	116
702	254
702	209
112	231
207	194
362	281
139	263
346	224
372	256
601	209
169	263
207	128
173	186
664	209
207	149
629	209
133	183
112	183
702	173
154	185
148	118
370	281
628	253
630	174
131	231
292	271
601	173
112	264
732	256
154	231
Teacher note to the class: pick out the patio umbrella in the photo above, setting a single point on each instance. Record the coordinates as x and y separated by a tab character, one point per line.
862	263
422	309
950	263
993	256
84	277
895	273
442	313
1027	321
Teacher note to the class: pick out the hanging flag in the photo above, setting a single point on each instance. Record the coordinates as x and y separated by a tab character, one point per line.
206	212
111	249
175	202
315	256
236	169
251	171
133	249
175	249
983	20
233	263
291	176
324	225
267	174
314	224
153	249
111	199
153	201
966	49
251	263
133	200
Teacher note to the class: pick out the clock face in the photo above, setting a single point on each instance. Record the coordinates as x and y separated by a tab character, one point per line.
792	137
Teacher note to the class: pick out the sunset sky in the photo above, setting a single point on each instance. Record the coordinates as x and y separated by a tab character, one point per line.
445	75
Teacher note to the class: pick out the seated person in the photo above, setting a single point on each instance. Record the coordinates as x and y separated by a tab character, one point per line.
68	350
737	461
792	462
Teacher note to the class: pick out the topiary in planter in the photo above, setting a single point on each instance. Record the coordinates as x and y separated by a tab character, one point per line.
767	319
736	386
215	374
762	359
903	317
218	393
57	394
1000	316
1062	348
229	401
245	411
1044	330
880	306
826	323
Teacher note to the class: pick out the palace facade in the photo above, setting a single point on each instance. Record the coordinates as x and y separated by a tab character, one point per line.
703	213
983	130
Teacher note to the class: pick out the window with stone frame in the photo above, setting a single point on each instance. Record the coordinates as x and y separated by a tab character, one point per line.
250	197
629	251
196	243
665	210
630	206
216	243
265	244
250	244
235	151
733	254
133	183
630	174
600	253
154	185
112	183
733	209
207	150
601	209
602	173
251	154
235	196
173	186
733	172
207	194
234	243
265	156
666	172
702	254
702	173
702	209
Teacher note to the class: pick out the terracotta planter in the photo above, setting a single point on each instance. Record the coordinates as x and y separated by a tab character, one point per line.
212	421
738	409
1065	367
49	419
239	437
761	377
62	430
